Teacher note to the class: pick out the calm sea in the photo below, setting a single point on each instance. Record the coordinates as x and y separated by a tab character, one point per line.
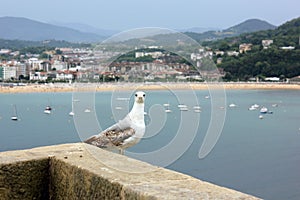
256	156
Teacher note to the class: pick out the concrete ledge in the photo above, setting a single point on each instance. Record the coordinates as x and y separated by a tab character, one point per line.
71	171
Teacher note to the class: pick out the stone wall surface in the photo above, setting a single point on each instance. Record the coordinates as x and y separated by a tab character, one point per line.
81	171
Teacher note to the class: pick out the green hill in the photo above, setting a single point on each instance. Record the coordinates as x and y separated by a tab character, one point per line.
260	62
251	25
20	44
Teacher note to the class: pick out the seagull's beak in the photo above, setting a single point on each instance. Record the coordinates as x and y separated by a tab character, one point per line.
140	100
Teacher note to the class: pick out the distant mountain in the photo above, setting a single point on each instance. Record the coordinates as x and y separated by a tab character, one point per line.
86	28
248	26
17	28
251	25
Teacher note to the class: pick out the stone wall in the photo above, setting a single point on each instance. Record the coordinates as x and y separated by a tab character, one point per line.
77	171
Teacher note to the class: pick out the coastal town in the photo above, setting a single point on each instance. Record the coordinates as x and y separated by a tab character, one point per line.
150	64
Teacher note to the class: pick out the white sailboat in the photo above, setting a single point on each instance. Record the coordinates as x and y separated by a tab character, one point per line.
168	110
264	110
15	115
167	107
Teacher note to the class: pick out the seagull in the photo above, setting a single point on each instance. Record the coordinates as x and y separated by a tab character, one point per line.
125	133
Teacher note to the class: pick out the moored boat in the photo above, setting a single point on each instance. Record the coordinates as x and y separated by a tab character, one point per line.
15	115
47	110
264	110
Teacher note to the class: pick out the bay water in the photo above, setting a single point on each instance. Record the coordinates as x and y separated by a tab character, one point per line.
256	156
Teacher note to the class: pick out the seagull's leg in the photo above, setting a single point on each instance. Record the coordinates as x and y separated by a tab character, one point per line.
121	151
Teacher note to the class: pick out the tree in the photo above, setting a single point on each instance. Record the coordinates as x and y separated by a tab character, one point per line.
224	46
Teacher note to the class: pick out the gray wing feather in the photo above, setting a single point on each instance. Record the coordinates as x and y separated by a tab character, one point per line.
114	135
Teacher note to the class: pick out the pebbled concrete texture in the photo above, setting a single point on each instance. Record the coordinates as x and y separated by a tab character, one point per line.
81	171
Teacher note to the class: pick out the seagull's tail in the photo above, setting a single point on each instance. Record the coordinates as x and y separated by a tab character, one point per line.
97	141
90	139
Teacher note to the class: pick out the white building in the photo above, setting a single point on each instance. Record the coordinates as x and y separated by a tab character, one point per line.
232	53
266	43
9	73
275	79
287	48
139	54
21	69
64	76
5	51
35	63
58	65
40	76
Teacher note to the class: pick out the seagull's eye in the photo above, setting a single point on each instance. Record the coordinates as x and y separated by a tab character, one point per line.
136	95
144	95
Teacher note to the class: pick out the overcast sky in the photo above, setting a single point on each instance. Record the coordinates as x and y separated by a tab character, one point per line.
174	14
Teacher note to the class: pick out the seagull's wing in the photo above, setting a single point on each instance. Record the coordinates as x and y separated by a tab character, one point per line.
114	135
110	138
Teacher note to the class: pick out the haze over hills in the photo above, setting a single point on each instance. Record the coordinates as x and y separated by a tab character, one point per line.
248	26
198	29
86	28
17	28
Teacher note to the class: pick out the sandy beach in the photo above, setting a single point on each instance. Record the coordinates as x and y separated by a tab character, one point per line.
145	86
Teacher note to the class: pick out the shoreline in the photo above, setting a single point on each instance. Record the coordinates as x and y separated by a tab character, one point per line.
33	88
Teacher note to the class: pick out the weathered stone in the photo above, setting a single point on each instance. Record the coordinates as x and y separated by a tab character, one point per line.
25	180
93	173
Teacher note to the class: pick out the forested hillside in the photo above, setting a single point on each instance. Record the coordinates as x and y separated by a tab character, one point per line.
260	62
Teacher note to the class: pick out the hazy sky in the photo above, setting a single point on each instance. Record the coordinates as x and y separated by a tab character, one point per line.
174	14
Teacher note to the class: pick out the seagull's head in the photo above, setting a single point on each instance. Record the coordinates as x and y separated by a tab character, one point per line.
139	97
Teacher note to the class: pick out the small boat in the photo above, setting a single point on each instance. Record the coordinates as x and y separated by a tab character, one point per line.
71	113
14	118
232	105
260	117
183	109
197	107
47	110
168	111
118	108
253	107
167	106
87	110
275	105
264	110
182	106
15	115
